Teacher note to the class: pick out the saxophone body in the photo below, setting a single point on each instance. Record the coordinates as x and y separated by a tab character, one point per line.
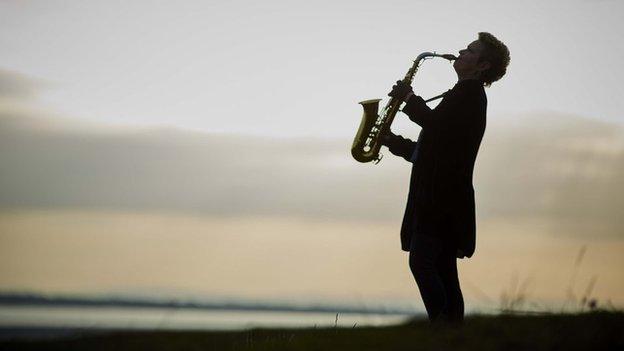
374	124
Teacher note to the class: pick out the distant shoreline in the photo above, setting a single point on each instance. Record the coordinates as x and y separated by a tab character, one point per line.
218	305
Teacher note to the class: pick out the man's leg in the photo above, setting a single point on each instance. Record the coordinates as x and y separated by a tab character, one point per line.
447	269
423	259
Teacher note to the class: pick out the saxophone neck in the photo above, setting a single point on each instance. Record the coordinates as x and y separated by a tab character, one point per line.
425	55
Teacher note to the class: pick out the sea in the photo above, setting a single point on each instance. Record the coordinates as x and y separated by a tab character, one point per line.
36	321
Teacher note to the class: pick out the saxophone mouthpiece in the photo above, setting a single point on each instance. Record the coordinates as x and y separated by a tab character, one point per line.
449	57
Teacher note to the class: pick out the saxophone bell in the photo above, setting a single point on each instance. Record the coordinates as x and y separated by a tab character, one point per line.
363	148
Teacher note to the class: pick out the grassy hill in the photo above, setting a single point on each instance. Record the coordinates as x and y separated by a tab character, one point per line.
587	331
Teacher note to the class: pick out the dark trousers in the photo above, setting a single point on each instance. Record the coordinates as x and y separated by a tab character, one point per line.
433	263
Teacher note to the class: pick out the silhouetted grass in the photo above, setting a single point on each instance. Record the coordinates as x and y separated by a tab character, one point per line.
587	331
516	299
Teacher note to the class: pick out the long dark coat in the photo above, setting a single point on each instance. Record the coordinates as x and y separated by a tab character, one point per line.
441	195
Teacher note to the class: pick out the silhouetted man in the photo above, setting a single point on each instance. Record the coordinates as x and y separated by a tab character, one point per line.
439	223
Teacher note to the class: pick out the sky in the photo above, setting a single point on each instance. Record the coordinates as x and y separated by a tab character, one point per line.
289	68
203	147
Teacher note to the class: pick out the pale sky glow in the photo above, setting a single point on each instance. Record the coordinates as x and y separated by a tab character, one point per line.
289	68
204	146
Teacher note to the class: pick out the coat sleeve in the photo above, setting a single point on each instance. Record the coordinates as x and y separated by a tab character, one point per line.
461	103
400	146
418	111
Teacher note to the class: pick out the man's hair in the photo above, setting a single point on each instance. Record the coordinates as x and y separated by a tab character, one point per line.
497	54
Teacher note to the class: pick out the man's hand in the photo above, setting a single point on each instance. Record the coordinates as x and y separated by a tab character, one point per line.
401	90
386	137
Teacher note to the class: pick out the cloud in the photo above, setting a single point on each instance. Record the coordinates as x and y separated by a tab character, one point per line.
14	85
167	169
562	167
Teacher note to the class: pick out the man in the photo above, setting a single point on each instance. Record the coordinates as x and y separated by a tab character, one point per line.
439	222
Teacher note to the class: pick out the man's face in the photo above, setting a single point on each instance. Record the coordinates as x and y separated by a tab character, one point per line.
467	64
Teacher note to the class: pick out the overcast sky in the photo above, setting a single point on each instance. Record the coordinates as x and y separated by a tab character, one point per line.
300	67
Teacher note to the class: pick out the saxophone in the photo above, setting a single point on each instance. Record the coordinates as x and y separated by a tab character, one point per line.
373	126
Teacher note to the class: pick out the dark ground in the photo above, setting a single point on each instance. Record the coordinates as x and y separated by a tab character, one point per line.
587	331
